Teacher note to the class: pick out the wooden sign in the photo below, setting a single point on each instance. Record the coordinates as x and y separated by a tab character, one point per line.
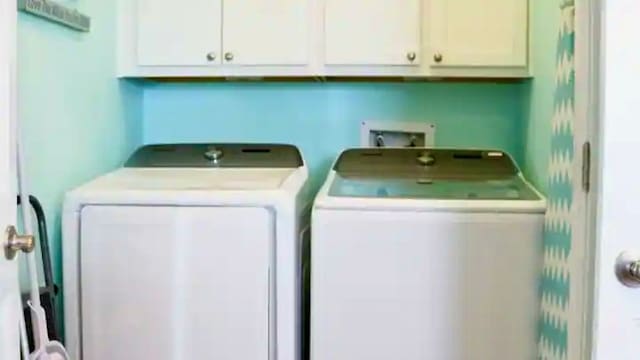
57	13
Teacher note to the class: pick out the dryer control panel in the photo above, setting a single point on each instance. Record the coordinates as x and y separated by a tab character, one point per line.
216	155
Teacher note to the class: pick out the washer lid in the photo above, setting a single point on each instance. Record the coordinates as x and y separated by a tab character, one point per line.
216	156
415	163
429	174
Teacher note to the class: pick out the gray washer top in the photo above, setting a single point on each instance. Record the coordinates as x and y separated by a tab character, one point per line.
216	156
429	174
421	163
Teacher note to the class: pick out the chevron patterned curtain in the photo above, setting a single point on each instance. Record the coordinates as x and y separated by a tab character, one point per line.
556	276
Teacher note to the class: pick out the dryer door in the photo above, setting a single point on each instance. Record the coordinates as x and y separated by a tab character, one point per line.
168	283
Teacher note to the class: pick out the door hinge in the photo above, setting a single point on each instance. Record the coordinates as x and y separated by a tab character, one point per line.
586	166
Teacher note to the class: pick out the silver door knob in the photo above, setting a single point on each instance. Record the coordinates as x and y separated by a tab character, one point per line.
628	269
412	56
214	155
438	58
15	243
211	56
228	56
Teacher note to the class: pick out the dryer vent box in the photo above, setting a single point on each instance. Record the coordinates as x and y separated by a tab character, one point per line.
397	134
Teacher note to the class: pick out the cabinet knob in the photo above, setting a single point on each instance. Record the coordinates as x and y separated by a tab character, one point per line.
437	58
211	56
228	56
412	56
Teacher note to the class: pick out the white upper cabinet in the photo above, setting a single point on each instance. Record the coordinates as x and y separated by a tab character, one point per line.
479	33
178	33
372	32
324	38
266	32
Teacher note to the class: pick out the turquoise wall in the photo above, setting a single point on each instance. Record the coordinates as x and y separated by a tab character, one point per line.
79	121
324	118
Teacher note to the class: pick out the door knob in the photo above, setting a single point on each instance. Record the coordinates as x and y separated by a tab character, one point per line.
412	56
228	56
211	56
15	243
628	269
438	58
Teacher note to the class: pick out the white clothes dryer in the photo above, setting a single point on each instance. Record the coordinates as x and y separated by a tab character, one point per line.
188	252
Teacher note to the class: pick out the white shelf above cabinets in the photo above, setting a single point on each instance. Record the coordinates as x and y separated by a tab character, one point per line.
324	38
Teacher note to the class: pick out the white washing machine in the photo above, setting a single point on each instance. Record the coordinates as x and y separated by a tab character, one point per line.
425	254
188	252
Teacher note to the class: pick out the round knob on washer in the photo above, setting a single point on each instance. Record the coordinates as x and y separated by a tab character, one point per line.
426	159
214	154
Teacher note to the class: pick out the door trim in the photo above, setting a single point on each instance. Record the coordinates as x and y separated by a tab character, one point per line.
8	33
588	110
8	89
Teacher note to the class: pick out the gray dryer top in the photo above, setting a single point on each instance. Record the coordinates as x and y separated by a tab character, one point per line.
216	156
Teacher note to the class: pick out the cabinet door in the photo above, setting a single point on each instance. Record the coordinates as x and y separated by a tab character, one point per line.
372	32
266	32
479	33
175	33
168	283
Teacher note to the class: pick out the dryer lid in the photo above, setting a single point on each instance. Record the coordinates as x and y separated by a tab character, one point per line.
189	179
216	156
438	174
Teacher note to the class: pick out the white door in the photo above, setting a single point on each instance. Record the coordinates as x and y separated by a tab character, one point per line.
169	283
372	32
175	33
267	32
479	32
9	300
617	308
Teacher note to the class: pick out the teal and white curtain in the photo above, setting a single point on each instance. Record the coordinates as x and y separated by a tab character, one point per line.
556	275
